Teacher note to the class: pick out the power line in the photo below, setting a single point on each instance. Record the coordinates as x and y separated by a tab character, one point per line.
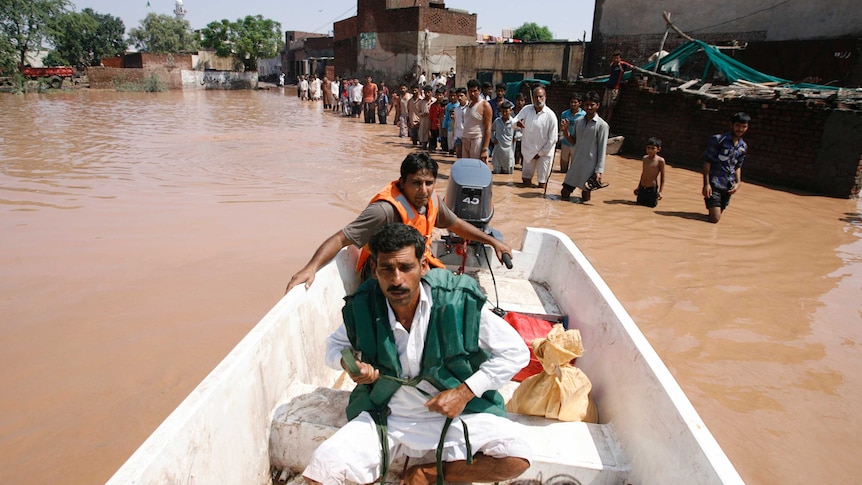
742	17
337	17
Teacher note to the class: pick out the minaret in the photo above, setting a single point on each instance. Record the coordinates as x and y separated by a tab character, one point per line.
179	11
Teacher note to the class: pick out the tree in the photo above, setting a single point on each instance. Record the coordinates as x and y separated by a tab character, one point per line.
26	24
532	32
163	33
7	56
249	39
83	39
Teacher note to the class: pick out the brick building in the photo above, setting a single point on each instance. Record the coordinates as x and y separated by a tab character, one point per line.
306	53
395	40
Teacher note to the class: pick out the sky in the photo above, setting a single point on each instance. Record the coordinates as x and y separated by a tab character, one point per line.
566	19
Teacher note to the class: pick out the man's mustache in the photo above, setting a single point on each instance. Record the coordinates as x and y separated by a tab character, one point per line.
397	288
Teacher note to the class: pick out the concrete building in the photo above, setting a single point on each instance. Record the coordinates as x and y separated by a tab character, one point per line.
306	53
513	62
799	40
395	40
180	11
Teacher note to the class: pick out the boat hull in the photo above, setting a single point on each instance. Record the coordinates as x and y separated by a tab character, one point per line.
221	432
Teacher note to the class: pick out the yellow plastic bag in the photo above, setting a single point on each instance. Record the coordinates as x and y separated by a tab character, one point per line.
562	391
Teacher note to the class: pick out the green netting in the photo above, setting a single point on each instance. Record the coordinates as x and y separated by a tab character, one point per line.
729	68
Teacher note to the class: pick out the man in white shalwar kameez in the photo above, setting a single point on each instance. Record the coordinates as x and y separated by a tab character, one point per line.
539	142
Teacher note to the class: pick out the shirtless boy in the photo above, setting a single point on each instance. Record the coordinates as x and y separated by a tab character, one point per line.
650	188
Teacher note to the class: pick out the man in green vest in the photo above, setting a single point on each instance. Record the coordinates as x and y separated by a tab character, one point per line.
431	354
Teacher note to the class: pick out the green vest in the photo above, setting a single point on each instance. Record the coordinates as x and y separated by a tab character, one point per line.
451	354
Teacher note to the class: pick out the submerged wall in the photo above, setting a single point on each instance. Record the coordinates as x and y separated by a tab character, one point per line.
219	80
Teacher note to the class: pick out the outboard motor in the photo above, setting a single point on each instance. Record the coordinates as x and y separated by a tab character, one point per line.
468	195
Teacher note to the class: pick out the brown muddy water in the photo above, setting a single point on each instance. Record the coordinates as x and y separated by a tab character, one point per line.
142	235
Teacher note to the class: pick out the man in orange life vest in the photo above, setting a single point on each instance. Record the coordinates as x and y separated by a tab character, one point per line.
411	200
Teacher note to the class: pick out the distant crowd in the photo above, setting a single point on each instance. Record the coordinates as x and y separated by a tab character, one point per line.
479	122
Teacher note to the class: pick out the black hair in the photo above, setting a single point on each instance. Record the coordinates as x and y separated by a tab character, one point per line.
592	96
520	96
472	84
654	141
441	90
740	117
576	96
501	86
486	85
394	236
462	90
506	105
417	162
427	87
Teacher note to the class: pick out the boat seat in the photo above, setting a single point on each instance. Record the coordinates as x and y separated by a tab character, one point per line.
584	453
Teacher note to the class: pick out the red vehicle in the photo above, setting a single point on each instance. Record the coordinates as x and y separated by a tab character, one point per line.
55	75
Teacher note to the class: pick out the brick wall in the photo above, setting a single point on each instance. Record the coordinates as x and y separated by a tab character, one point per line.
109	77
801	144
345	29
448	22
345	56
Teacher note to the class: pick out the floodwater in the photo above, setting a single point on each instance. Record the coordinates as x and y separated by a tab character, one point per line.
142	235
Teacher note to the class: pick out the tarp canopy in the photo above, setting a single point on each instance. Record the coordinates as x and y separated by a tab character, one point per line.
512	89
725	67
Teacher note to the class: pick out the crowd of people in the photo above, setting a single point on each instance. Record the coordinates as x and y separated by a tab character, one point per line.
478	121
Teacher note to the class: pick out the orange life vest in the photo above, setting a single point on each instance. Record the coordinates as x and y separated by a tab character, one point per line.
423	223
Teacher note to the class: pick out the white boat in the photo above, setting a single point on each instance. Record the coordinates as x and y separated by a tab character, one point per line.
269	403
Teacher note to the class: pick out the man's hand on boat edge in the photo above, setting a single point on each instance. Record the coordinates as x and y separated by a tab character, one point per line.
327	250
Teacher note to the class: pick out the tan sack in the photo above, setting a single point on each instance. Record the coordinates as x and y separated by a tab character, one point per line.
562	391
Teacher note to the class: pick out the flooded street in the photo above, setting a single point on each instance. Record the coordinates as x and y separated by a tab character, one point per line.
143	234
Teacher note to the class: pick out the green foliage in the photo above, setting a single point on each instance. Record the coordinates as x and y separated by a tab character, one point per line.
83	39
249	39
7	56
532	32
26	24
54	59
164	34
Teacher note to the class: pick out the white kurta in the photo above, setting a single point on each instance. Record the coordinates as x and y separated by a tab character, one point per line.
591	146
539	138
353	453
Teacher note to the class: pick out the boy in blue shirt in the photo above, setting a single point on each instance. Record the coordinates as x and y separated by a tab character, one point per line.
446	124
382	105
722	166
567	120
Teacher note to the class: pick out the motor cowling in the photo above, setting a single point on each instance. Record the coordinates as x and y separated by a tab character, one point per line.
468	193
